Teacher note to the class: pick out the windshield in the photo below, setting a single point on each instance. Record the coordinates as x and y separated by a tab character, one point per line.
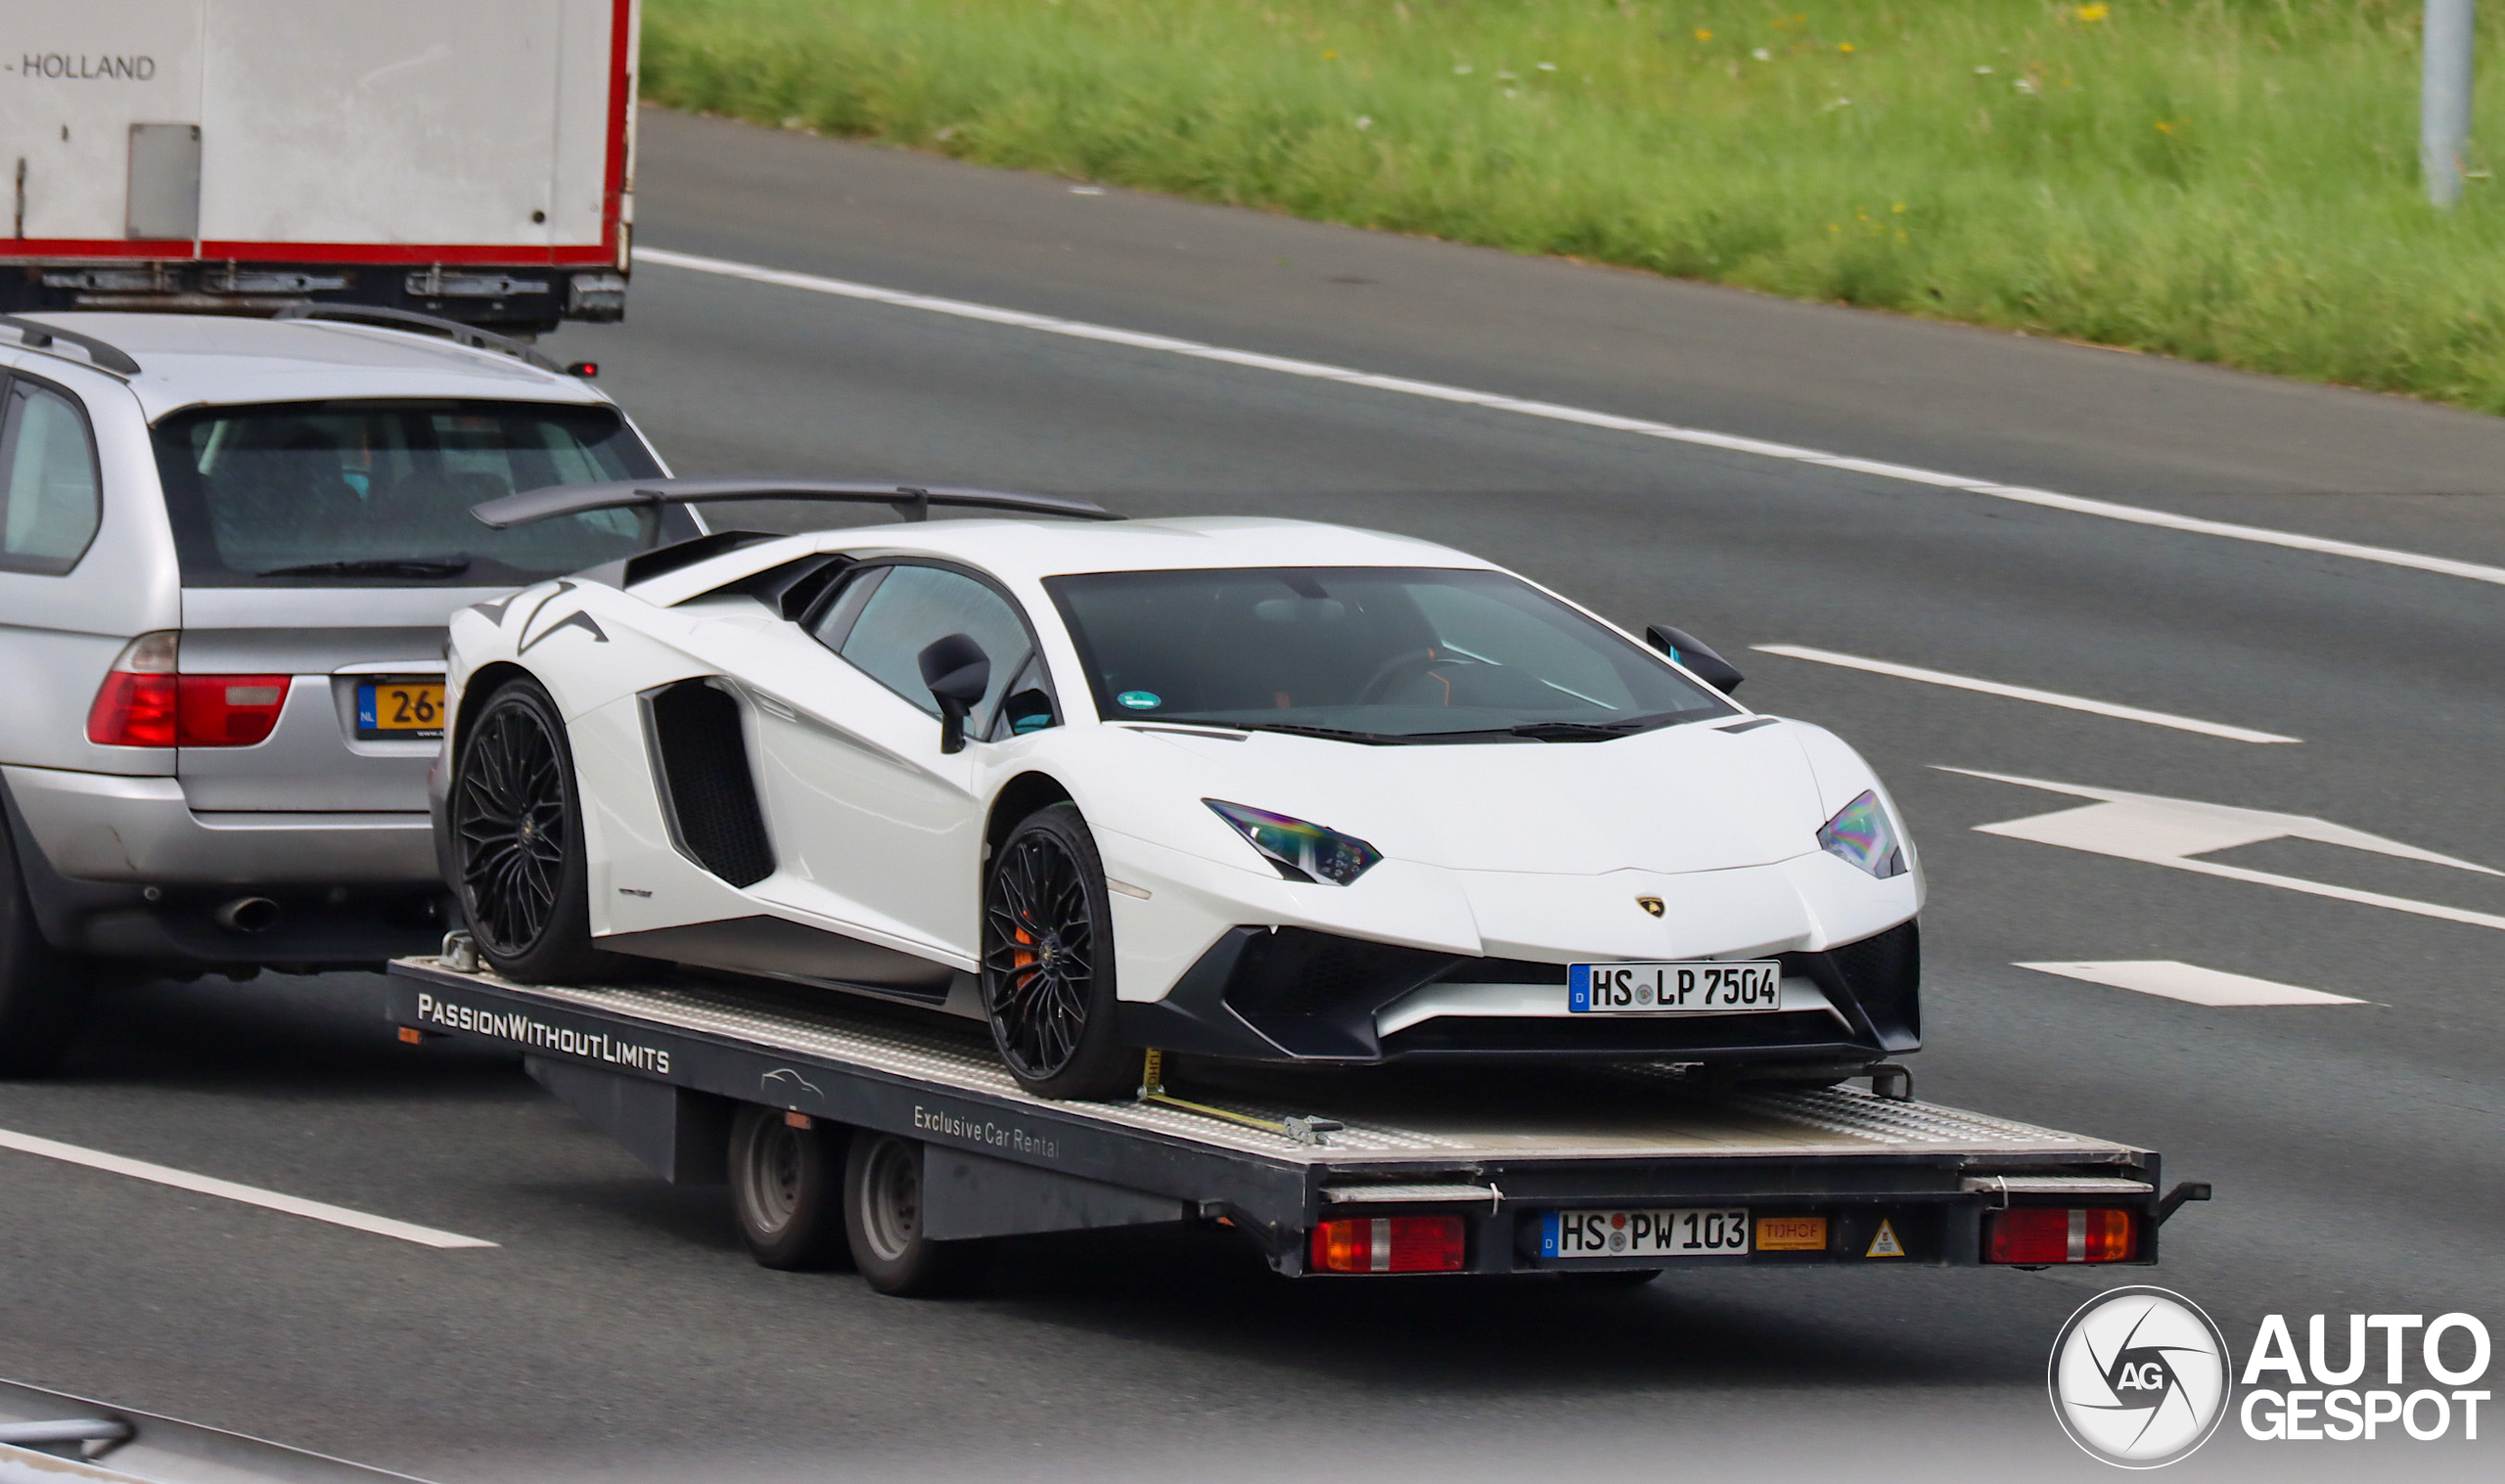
1369	653
372	493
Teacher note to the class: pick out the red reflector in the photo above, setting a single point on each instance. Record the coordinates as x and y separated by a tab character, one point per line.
133	711
585	368
228	710
2052	1235
1389	1244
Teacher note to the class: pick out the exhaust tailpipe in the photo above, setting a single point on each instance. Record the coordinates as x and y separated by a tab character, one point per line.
249	915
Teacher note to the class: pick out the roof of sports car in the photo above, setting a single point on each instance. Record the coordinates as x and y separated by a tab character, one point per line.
1031	549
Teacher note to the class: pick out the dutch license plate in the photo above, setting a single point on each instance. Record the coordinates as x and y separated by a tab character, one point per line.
1674	989
405	708
1643	1234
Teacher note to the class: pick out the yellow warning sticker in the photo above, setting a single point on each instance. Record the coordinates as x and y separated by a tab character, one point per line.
1885	1244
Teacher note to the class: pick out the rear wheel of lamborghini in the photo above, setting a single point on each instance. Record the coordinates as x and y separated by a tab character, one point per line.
517	841
1048	961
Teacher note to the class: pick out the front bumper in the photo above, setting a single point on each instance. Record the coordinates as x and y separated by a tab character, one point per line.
1292	993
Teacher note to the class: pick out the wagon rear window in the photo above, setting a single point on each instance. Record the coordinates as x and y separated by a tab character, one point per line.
371	493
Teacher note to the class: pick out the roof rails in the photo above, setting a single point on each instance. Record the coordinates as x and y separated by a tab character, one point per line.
39	336
910	502
467	335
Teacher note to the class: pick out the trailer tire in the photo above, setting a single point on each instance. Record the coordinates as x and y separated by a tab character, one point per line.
42	991
882	1215
786	1186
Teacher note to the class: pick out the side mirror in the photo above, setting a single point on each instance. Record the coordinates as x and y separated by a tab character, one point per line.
1698	658
957	673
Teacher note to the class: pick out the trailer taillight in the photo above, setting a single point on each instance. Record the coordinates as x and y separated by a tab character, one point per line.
1389	1244
2032	1235
144	704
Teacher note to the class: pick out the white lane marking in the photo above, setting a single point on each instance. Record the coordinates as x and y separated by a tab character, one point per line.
2190	983
227	1190
2173	832
1560	413
2022	693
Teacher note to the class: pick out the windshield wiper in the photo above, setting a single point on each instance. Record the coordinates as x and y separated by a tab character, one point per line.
1293	729
1578	731
1559	731
377	567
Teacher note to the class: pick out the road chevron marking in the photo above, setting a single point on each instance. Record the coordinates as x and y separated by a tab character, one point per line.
2174	832
2022	693
1556	412
2190	983
227	1190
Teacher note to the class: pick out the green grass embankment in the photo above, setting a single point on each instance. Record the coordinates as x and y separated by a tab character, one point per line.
2225	180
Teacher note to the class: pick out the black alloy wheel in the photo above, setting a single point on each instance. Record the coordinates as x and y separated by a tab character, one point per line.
1048	961
517	831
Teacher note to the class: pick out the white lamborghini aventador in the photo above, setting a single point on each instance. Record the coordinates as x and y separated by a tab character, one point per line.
1247	788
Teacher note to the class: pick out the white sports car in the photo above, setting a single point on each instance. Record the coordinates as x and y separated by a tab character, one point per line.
1256	789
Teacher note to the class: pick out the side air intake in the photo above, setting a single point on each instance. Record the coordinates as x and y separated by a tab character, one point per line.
708	795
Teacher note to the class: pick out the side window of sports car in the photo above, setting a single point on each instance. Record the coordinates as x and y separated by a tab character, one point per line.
913	606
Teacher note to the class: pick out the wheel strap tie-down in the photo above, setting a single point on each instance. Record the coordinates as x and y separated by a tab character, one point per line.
1301	1130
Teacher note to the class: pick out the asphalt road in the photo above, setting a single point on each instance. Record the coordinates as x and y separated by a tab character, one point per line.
618	1329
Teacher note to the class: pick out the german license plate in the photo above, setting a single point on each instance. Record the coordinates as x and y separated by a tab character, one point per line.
402	708
1700	988
1643	1234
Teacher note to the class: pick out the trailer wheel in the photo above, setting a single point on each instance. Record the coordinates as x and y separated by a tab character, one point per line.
785	1185
42	992
882	1213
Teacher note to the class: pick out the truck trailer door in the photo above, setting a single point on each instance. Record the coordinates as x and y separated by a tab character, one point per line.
100	125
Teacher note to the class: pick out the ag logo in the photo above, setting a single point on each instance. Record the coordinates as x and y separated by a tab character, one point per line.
2139	1377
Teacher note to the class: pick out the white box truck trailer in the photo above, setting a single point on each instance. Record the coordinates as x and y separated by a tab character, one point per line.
467	159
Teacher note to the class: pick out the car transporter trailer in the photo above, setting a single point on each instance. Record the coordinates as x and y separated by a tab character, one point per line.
840	1123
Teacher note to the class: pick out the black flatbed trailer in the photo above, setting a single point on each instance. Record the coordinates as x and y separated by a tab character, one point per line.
1876	1178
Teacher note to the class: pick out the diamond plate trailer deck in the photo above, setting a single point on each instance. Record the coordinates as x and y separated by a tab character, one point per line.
662	1066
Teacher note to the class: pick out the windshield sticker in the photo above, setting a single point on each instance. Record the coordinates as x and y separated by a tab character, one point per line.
1140	700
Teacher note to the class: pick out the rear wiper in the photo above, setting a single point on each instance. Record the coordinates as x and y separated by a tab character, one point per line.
377	567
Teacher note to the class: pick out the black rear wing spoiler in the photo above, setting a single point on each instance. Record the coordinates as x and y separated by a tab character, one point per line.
910	502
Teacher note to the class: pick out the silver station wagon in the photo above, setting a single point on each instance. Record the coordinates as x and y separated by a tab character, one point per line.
228	551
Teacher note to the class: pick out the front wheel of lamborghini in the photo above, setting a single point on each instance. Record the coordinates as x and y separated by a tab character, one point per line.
1048	961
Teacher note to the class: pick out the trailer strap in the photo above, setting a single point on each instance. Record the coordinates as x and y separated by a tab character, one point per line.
1305	1131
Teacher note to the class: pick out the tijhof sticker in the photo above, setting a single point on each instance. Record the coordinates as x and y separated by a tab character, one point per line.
2140	1378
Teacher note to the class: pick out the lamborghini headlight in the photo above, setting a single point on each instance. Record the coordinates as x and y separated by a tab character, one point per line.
1300	851
1860	832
